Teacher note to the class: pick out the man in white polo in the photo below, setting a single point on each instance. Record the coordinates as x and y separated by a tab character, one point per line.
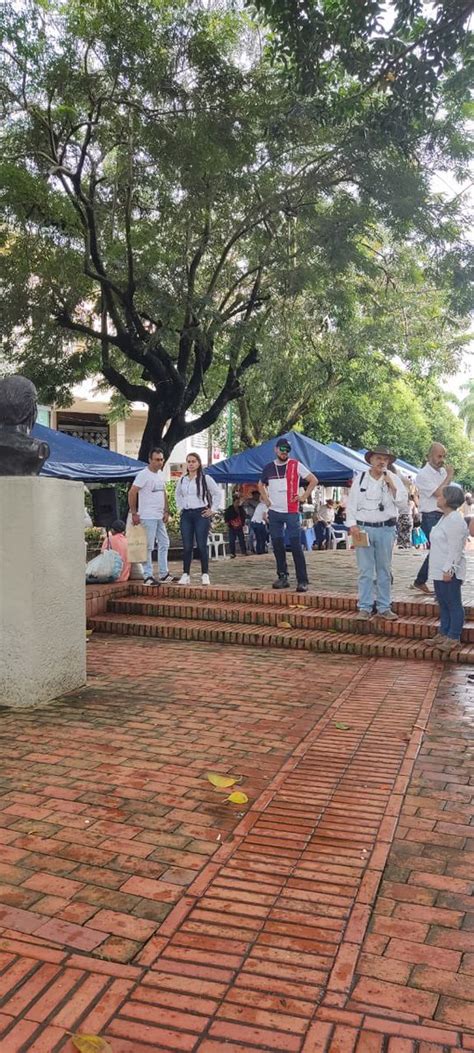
430	482
371	513
148	503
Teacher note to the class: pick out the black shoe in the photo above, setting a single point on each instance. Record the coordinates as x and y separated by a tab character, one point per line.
232	556
302	586
281	582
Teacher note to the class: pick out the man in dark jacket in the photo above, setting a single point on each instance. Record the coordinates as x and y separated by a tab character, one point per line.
234	517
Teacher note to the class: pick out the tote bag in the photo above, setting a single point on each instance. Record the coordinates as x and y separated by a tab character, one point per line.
137	543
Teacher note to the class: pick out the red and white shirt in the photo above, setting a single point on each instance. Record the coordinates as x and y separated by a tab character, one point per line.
283	480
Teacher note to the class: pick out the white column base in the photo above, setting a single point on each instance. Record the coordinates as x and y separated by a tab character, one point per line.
42	589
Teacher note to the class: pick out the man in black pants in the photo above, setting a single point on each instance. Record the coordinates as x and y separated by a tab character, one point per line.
279	487
234	517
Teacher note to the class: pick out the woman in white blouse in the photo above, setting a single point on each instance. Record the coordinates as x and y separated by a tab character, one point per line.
197	498
447	567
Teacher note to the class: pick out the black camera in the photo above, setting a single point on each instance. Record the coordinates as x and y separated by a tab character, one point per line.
381	506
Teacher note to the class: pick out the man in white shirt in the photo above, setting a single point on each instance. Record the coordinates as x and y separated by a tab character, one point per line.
371	513
148	503
430	482
325	515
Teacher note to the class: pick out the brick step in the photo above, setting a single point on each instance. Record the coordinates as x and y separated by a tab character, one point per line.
284	598
314	618
373	645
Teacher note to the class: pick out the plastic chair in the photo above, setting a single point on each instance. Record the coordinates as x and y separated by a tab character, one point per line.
337	536
214	543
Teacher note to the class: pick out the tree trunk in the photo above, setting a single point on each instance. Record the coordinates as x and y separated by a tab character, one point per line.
153	434
248	432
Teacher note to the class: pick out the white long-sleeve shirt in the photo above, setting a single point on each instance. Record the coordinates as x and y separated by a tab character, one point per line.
427	481
367	493
447	541
187	495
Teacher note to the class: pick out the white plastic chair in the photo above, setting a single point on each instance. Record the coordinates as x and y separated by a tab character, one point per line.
337	536
214	543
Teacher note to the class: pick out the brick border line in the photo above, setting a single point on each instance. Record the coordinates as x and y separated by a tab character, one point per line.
344	968
225	852
346	1027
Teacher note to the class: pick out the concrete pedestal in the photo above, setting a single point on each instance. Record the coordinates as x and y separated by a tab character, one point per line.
42	589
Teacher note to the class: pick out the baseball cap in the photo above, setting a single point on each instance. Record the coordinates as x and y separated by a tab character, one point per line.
283	444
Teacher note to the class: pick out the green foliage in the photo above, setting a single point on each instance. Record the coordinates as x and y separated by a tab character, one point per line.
466	409
389	308
173	523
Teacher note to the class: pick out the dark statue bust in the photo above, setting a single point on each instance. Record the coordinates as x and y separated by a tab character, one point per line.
19	453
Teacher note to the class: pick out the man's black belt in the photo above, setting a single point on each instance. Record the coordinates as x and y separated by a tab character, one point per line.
386	522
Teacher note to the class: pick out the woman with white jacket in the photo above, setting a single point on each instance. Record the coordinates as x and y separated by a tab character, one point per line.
447	567
198	499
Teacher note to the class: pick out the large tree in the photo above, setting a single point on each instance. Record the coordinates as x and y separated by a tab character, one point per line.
166	185
394	308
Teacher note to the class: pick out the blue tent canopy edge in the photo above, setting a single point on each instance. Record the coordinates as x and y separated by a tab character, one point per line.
72	458
329	465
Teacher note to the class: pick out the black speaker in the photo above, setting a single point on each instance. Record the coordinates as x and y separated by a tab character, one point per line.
105	505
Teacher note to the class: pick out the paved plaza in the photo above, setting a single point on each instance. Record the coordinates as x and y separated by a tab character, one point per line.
332	912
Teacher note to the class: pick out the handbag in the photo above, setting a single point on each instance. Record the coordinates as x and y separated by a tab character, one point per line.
137	543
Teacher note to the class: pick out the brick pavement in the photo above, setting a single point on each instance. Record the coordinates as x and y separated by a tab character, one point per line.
136	903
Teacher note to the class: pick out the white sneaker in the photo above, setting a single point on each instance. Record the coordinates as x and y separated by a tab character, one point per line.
206	579
184	579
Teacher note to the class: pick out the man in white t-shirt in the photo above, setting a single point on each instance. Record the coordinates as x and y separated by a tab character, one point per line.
279	488
148	503
430	482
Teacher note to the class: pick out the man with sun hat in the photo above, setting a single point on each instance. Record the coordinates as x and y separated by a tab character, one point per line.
371	514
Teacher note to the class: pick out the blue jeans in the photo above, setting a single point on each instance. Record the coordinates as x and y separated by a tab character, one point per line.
428	521
195	525
451	610
276	523
261	537
375	562
156	533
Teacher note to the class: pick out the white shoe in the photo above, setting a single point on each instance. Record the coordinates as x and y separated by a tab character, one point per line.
184	579
206	579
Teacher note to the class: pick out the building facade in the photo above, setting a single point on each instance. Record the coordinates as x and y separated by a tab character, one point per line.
88	418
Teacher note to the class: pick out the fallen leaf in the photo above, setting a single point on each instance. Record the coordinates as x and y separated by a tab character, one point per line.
342	727
89	632
91	1044
238	797
284	625
223	781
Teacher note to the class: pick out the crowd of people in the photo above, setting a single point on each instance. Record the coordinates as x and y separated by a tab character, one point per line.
383	509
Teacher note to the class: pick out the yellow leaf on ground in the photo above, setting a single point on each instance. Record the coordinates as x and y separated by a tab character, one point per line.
238	797
341	726
223	781
91	1044
284	625
89	632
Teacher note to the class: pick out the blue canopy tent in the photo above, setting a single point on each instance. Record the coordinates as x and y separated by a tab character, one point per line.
72	458
349	453
332	467
403	465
